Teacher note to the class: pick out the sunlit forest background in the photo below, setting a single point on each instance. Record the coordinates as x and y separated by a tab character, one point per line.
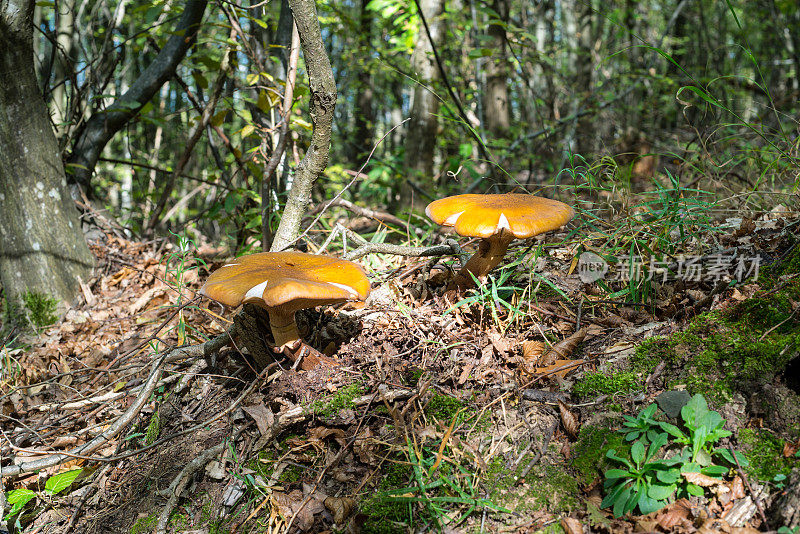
561	97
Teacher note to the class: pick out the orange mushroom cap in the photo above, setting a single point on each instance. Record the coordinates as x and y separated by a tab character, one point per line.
521	214
288	280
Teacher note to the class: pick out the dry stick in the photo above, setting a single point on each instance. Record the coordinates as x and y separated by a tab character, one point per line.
179	482
115	428
756	500
538	457
346	187
381	216
365	247
83	451
280	148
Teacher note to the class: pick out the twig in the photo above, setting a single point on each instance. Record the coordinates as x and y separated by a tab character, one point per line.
280	147
451	246
76	513
756	500
115	428
85	450
538	457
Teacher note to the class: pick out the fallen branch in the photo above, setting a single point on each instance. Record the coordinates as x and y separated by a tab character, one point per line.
365	247
83	451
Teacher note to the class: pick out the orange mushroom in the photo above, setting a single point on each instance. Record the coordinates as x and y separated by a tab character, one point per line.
498	219
283	283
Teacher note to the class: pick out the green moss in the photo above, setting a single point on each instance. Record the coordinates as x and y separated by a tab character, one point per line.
145	525
443	407
384	514
41	308
341	400
546	486
291	474
765	452
594	384
722	352
589	454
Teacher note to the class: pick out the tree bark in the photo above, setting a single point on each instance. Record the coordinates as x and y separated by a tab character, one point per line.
421	137
103	124
42	248
497	115
323	101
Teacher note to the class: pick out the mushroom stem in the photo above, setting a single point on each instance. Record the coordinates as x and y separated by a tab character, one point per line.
283	326
489	254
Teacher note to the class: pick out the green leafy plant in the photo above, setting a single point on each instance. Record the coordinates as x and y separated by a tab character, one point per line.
650	482
641	426
18	498
644	482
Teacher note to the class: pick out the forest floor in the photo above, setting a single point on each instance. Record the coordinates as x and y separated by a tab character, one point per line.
494	415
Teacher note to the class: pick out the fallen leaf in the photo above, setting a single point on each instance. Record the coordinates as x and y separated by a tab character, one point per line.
559	368
571	525
564	348
340	507
702	480
568	420
262	415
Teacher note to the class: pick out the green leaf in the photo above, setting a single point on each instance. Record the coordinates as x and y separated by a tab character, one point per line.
673	430
705	95
611	497
647	504
18	498
231	201
617	473
247	130
716	471
637	452
480	52
612	455
620	501
58	483
693	489
660	492
264	103
670	476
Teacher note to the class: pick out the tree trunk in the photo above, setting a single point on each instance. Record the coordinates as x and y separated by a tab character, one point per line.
364	113
497	117
421	134
42	248
323	101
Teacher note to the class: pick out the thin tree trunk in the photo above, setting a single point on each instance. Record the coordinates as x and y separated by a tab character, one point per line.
42	248
498	120
323	101
364	113
421	134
